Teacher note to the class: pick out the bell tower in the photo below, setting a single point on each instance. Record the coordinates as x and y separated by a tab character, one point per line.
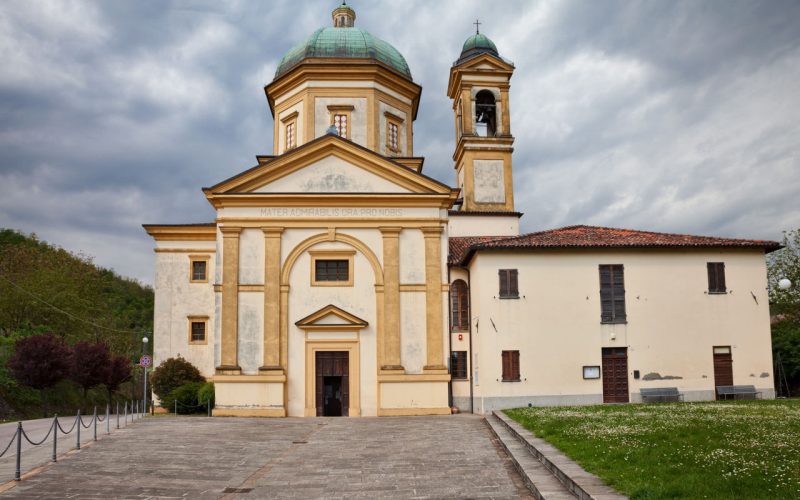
478	85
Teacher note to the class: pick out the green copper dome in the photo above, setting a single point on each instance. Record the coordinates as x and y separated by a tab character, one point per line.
477	44
343	40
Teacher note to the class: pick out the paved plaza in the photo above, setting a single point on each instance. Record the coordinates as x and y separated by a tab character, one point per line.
199	457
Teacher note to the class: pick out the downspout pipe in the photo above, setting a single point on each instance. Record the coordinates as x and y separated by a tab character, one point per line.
471	355
449	341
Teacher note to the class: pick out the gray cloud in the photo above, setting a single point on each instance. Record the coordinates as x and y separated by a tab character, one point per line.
673	116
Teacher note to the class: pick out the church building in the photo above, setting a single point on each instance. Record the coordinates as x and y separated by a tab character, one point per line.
337	278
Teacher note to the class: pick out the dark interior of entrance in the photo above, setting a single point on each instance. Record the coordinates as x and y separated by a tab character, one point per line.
332	374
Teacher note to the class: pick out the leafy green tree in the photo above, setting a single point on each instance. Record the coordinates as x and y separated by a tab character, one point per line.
171	374
785	307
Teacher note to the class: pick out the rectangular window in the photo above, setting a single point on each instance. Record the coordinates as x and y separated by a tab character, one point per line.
458	364
612	294
510	366
393	136
290	135
508	284
198	268
198	329
331	270
716	277
340	122
332	267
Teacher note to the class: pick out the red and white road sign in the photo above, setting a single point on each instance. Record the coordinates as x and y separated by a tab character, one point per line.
146	361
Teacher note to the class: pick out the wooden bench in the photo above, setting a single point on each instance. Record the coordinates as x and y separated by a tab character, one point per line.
661	395
738	392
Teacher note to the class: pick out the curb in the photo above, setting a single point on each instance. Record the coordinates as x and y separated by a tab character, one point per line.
582	484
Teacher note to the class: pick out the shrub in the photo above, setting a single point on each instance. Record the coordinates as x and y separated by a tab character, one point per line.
171	374
40	362
91	363
206	393
186	396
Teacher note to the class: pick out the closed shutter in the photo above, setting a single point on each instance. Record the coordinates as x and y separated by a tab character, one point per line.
716	277
510	366
509	283
612	293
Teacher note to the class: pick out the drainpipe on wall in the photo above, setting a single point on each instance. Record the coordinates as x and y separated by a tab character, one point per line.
471	355
449	342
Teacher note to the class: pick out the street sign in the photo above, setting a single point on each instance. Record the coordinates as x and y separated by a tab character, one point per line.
146	361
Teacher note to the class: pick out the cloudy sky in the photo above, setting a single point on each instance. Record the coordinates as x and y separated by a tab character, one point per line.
668	116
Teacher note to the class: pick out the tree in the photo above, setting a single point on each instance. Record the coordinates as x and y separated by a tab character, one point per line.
785	307
119	372
785	263
91	364
40	362
171	374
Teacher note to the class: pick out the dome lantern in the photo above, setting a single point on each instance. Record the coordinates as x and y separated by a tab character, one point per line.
343	16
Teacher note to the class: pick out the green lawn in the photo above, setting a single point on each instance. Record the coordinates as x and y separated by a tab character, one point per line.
743	449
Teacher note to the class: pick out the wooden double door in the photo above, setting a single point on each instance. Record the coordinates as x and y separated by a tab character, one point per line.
615	375
332	383
723	367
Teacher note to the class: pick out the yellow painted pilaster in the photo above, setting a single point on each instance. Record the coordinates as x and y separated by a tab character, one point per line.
272	299
433	298
466	110
391	297
506	110
229	344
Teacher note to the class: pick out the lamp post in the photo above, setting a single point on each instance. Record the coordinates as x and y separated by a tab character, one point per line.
145	340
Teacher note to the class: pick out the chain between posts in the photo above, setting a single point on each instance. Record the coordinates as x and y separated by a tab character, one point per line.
56	427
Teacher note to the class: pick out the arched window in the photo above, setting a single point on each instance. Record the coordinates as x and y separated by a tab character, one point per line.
485	115
459	306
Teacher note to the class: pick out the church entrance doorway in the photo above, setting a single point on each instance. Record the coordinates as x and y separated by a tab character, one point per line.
332	374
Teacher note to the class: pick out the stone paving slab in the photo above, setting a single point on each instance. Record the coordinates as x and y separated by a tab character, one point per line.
199	457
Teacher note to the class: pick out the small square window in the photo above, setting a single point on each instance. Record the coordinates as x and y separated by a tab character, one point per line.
458	364
340	122
198	268
393	136
332	268
198	329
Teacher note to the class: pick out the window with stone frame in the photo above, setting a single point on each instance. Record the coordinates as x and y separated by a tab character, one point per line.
290	134
198	329
458	364
612	294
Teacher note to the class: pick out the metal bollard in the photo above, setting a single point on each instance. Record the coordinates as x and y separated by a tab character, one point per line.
108	422
17	473
78	425
176	407
55	437
126	413
94	419
117	414
208	406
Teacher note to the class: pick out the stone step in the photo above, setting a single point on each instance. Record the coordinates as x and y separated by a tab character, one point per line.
542	483
580	483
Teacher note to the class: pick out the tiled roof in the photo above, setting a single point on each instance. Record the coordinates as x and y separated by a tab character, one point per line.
461	249
460	245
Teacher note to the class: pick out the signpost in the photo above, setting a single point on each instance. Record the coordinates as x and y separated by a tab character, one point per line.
145	362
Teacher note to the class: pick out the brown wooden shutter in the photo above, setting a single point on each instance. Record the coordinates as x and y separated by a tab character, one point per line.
721	277
514	365
504	285
513	286
612	293
716	277
506	365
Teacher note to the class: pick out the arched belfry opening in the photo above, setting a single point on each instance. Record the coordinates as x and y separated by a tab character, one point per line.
485	114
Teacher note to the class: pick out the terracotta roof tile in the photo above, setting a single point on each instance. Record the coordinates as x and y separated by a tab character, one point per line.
462	249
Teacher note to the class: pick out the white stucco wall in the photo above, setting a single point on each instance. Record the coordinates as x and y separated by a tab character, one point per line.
358	117
176	299
472	225
331	175
673	323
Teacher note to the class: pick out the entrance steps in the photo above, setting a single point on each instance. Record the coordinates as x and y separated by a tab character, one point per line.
548	473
